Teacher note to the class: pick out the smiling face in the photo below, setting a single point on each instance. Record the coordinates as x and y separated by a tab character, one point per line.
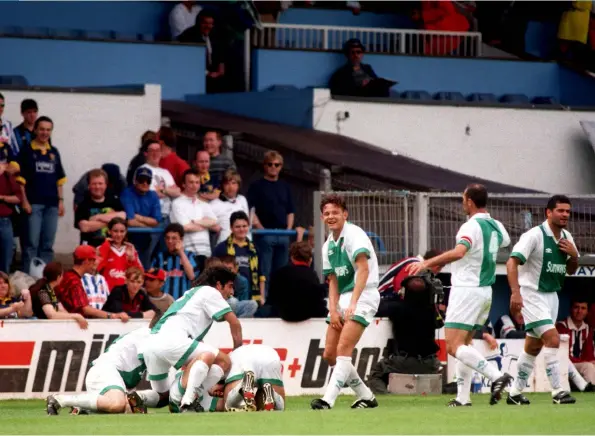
334	216
43	132
97	187
240	229
203	162
118	233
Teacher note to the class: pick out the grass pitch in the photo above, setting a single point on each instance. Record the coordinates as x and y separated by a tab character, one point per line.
396	415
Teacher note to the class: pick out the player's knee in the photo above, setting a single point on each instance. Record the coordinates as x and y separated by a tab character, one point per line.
207	357
223	361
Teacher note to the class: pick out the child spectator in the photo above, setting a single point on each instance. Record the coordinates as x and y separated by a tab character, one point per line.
229	201
154	280
130	298
12	306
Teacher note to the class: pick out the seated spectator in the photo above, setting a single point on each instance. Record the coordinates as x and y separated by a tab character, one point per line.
229	201
169	159
44	300
10	196
24	132
139	158
70	291
196	217
295	293
219	162
8	140
116	255
96	288
510	326
179	265
486	334
12	306
142	210
240	302
182	17
209	186
97	210
154	280
130	298
245	253
115	184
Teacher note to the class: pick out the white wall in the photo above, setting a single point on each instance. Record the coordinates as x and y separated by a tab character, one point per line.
546	150
90	130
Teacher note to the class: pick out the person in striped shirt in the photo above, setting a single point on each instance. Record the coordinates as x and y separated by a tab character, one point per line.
96	288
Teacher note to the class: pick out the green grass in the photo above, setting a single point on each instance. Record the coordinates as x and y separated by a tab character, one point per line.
396	415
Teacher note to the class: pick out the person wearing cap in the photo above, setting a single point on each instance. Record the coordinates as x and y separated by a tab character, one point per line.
71	293
142	210
154	280
24	132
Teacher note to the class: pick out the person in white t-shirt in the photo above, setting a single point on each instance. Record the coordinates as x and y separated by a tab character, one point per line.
182	16
228	202
196	217
162	182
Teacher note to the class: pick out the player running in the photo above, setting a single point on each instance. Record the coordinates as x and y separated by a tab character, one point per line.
545	253
473	273
350	262
176	339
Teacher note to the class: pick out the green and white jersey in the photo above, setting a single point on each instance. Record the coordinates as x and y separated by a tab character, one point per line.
543	264
483	236
338	257
123	354
193	313
261	359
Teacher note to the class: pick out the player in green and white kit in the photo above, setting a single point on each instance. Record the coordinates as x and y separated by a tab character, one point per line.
472	275
536	271
350	262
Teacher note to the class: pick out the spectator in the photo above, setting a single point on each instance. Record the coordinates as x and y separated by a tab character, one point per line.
154	280
486	334
245	253
24	132
300	232
8	139
162	182
96	210
209	186
243	307
10	195
96	288
573	31
241	285
220	163
179	265
42	175
139	158
510	326
116	255
229	201
144	211
442	16
70	291
295	293
196	217
182	17
12	306
273	207
130	298
115	184
169	159
44	300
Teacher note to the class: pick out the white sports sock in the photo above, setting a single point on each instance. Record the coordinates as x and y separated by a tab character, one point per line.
473	359
338	378
552	369
464	376
86	401
213	376
359	387
196	376
576	377
279	402
150	397
234	399
524	366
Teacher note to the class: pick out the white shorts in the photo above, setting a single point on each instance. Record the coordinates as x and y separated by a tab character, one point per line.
265	364
468	307
366	307
540	311
177	391
104	377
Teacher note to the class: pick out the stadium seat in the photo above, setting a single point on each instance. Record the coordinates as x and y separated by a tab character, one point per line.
66	33
42	32
98	34
11	30
123	36
545	100
282	88
147	37
482	97
14	80
416	95
449	96
514	99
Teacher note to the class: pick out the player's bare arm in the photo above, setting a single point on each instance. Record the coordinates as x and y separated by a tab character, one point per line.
445	258
363	271
572	263
336	321
512	272
235	327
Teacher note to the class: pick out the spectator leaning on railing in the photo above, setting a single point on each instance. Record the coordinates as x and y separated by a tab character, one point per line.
12	306
130	298
115	184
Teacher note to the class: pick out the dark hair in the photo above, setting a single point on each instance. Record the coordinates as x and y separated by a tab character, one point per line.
167	136
352	43
478	194
205	13
28	104
117	220
51	272
175	228
580	297
156	318
216	132
188	172
335	199
228	258
301	251
212	262
1	96
213	275
557	199
238	215
42	120
432	252
147	142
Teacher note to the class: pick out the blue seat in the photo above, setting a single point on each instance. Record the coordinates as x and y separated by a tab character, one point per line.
11	30
123	36
514	99
14	80
449	96
98	34
282	88
416	95
545	100
147	37
66	33
43	32
482	97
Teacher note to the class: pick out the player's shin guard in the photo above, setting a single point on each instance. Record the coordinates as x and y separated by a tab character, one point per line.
473	359
196	376
150	397
525	366
359	387
213	376
340	375
576	378
84	401
552	369
464	375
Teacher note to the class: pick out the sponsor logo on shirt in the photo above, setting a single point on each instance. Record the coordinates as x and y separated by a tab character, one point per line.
45	167
548	250
556	268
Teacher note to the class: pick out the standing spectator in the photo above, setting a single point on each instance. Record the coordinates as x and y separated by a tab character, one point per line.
220	163
154	280
43	177
242	305
116	255
169	159
196	217
44	300
10	195
96	210
209	186
70	291
179	265
7	136
139	158
182	17
142	210
273	207
96	288
229	201
162	182
130	298
12	306
115	184
24	132
245	253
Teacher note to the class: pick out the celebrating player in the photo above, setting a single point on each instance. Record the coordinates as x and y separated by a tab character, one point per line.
473	273
350	262
545	253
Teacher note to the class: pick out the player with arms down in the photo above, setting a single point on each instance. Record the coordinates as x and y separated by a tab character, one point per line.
536	271
350	262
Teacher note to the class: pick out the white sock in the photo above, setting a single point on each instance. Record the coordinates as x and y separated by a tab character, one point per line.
338	378
86	401
233	397
359	387
464	376
150	397
576	377
279	401
552	369
524	366
214	375
196	376
473	359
